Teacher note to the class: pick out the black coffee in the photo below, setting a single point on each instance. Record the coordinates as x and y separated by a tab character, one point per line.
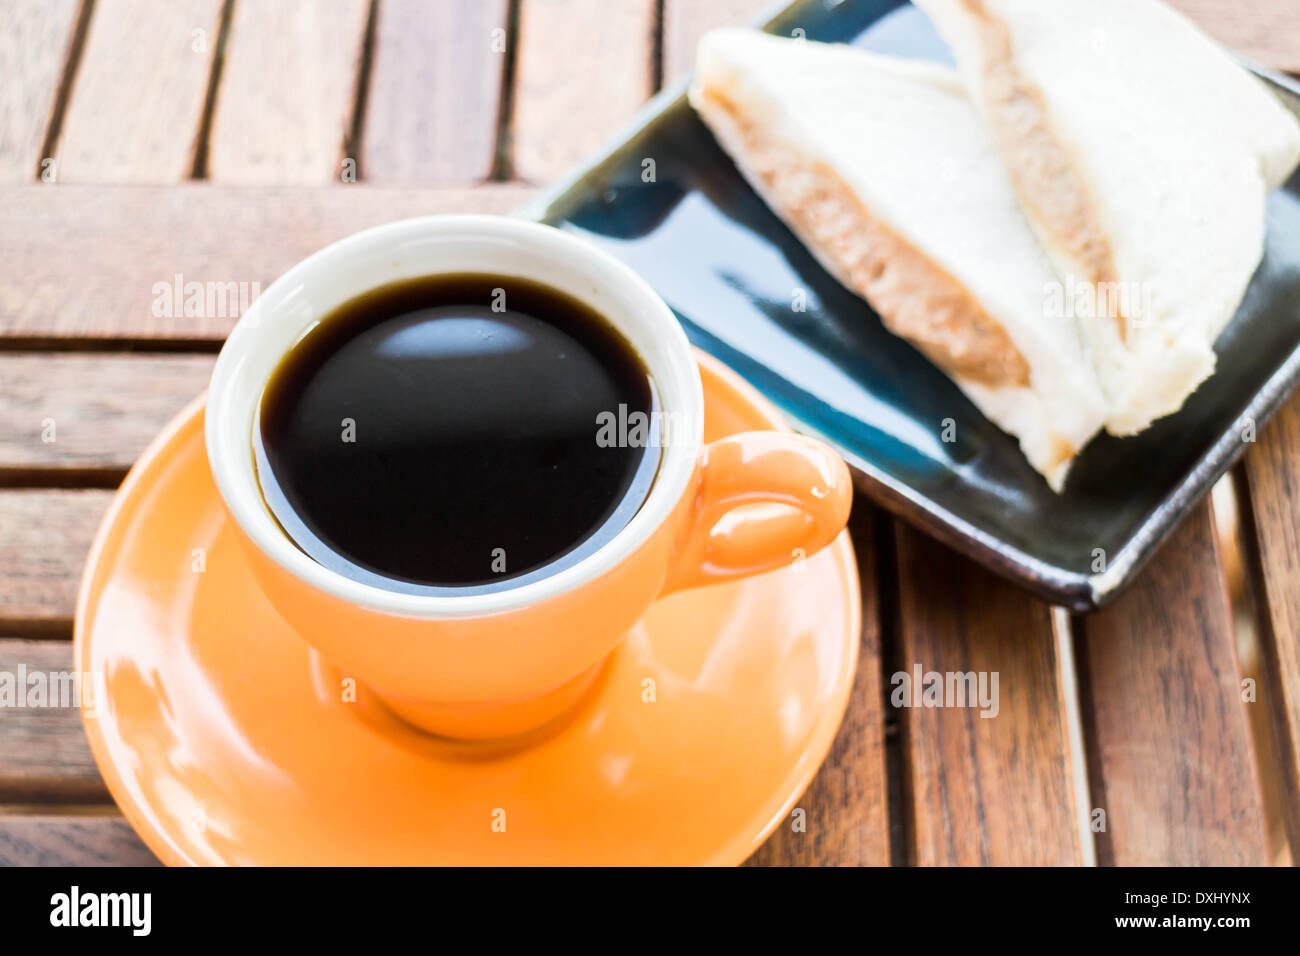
445	433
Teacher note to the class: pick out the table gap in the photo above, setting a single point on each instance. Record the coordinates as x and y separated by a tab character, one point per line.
898	785
199	169
503	154
67	80
35	477
1255	638
361	92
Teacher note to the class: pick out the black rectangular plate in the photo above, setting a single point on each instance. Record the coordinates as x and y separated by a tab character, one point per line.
666	200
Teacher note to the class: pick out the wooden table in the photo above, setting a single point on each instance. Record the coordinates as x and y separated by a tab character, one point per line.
221	140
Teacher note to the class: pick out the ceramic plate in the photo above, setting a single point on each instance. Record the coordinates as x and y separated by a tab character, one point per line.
729	269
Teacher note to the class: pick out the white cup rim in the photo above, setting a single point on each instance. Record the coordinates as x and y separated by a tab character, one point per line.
295	302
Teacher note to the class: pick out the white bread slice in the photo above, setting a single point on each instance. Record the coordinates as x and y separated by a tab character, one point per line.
881	168
1142	155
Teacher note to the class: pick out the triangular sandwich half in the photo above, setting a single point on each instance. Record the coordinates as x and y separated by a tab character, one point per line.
882	169
1142	155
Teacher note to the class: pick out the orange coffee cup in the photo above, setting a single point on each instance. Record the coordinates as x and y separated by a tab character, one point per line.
502	663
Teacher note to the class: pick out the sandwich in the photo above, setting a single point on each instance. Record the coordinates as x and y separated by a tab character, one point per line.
1142	154
883	170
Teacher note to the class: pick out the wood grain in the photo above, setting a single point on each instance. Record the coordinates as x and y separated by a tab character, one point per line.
136	107
44	538
35	37
435	90
1272	480
44	757
685	21
71	840
1266	31
68	269
68	414
584	67
288	90
1170	756
982	790
846	817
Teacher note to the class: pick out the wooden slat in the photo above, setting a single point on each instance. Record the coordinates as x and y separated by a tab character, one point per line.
35	37
845	811
137	104
44	538
1272	478
1170	756
73	840
685	21
435	89
1266	31
69	268
44	757
584	67
65	414
982	790
288	90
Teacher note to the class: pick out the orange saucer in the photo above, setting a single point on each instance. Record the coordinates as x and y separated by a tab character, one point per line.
225	739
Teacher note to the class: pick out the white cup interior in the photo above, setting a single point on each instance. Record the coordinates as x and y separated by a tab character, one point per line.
433	245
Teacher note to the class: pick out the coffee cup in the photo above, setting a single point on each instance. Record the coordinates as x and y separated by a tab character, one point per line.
498	664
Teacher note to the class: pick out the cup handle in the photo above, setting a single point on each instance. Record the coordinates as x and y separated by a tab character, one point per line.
763	467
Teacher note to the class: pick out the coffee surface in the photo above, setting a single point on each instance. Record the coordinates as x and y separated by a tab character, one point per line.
444	433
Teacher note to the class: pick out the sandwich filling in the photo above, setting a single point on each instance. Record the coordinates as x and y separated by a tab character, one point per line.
1051	189
916	298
